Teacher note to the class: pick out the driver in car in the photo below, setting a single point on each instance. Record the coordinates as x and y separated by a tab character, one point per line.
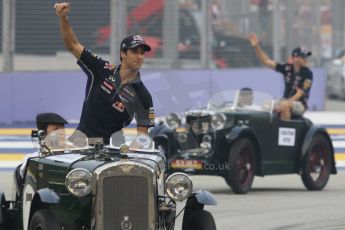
46	122
246	99
297	77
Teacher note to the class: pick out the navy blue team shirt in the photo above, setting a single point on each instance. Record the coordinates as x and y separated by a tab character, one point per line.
109	105
301	79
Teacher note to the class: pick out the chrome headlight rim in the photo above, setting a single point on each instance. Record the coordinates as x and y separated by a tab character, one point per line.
68	181
169	187
173	121
223	120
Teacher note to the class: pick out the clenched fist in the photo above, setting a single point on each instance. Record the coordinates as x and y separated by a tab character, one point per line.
253	40
62	9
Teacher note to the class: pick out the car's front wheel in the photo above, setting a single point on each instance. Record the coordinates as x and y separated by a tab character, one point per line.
43	220
2	212
241	161
200	220
317	164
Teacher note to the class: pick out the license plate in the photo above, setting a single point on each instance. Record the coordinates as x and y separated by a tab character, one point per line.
186	164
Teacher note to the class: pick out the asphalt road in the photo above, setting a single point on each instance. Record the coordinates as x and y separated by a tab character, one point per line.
278	203
275	203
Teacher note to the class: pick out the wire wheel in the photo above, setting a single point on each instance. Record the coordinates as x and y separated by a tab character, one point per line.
242	166
317	164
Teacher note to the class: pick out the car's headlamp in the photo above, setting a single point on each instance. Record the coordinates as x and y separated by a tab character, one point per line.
79	182
218	121
173	121
178	186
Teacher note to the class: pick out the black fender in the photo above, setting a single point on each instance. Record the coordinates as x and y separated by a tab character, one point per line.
2	208
43	198
245	131
312	132
195	203
47	196
238	131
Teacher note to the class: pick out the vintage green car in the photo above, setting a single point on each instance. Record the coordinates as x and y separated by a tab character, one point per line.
239	136
76	183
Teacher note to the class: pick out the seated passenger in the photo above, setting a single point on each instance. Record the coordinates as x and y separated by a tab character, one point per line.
47	122
297	77
246	99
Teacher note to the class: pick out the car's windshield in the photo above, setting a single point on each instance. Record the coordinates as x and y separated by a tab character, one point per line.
131	140
244	98
60	140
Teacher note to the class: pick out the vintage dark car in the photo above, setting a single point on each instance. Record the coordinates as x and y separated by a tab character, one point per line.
238	136
76	183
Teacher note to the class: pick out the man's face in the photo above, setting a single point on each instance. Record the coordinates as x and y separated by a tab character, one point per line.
300	61
56	140
246	98
134	58
53	127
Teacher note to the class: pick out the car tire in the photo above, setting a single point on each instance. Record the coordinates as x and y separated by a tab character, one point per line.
2	212
43	220
200	220
317	164
241	161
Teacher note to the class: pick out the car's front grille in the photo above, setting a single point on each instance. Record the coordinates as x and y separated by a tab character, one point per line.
125	199
200	125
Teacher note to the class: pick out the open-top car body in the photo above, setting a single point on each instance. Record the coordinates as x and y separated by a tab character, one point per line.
237	138
76	183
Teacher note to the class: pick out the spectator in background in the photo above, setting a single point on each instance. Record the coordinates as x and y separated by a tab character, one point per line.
114	94
298	79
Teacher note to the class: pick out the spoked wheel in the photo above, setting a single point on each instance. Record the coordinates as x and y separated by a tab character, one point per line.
242	166
317	164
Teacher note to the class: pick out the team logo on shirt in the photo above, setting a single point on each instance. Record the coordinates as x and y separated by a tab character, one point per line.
307	84
152	116
129	91
108	85
109	66
105	89
151	113
119	106
111	78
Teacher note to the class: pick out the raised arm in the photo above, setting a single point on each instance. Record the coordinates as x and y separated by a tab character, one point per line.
69	38
260	53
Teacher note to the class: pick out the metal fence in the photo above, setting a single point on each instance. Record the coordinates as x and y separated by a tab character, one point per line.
183	33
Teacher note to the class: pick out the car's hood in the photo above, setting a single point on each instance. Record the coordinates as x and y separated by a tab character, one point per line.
69	161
